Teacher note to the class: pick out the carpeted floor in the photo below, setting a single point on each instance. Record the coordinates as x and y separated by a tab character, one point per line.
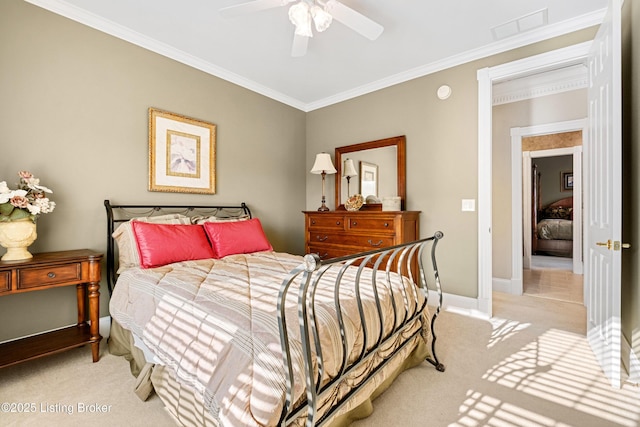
530	365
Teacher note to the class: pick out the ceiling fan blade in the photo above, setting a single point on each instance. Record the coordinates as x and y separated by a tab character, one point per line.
354	20
299	47
250	7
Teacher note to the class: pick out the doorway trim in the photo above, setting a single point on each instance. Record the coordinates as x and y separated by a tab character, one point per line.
521	184
559	58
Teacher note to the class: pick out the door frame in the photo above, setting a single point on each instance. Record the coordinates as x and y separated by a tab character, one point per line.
521	185
571	55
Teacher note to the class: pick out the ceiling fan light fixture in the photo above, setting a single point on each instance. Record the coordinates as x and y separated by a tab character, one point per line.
300	16
321	18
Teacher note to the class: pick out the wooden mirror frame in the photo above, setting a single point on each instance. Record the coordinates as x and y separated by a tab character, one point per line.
400	142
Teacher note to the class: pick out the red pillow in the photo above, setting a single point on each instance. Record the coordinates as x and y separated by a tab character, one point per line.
161	244
240	237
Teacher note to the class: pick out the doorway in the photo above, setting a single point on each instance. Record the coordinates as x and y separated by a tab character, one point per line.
487	77
552	211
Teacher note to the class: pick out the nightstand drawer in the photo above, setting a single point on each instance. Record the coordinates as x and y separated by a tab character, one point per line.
336	222
34	277
5	281
383	225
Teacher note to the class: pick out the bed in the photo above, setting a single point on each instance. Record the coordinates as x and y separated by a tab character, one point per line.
239	334
552	224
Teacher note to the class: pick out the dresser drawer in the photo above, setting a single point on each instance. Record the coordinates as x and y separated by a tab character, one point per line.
365	242
5	281
327	252
34	277
379	225
335	222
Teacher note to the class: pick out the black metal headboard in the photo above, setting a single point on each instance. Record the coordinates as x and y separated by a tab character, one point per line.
117	214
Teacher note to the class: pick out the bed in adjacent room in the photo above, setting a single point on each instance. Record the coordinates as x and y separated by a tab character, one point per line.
229	332
552	224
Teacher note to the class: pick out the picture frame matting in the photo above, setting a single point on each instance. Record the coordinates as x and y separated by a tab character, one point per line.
182	153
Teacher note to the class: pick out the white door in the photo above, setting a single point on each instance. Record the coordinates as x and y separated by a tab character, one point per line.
603	200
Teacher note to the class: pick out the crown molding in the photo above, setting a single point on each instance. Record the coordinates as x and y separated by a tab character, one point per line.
549	83
81	16
524	39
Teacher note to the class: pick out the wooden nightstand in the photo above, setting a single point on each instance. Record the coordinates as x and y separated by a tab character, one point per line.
51	270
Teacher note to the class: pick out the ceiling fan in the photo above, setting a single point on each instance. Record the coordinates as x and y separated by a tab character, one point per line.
303	13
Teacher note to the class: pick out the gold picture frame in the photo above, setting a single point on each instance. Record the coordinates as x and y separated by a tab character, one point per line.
182	154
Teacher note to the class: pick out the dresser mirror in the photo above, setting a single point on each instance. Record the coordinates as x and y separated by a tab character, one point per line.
381	169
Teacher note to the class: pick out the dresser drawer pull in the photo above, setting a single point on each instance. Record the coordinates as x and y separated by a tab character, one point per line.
325	255
337	222
51	275
321	239
354	223
375	244
386	224
313	221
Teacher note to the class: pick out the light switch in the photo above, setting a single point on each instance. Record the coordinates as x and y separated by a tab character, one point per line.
468	205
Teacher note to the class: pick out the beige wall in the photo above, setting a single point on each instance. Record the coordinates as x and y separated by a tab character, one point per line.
74	112
548	109
441	151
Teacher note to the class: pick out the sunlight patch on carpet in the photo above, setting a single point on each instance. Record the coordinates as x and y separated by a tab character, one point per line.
504	329
482	410
558	367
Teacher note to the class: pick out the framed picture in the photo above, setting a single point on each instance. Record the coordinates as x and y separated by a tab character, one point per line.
567	181
368	179
182	154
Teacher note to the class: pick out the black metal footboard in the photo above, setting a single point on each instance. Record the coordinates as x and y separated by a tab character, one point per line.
375	269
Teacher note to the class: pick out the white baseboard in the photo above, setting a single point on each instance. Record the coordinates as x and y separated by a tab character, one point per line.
501	285
513	286
105	326
630	362
459	304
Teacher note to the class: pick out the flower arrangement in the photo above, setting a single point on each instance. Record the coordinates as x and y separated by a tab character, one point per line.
27	202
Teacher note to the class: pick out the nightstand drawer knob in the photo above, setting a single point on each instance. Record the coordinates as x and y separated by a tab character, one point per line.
51	275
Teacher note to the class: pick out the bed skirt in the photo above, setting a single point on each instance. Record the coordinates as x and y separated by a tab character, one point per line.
189	410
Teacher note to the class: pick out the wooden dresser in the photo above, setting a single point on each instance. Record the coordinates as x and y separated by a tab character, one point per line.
79	268
339	233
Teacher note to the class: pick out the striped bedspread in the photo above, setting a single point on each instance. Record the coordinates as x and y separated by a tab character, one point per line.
214	324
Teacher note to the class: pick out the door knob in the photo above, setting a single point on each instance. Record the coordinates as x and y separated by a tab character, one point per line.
616	245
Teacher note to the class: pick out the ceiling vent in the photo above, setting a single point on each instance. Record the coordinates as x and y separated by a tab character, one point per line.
520	25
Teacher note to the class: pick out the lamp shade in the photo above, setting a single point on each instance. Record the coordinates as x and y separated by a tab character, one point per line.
349	168
324	164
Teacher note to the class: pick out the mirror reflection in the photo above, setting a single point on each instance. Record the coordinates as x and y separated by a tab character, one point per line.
375	169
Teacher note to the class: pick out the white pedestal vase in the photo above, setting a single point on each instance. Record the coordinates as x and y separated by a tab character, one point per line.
16	237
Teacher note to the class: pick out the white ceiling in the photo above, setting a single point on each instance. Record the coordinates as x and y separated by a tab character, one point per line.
420	37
